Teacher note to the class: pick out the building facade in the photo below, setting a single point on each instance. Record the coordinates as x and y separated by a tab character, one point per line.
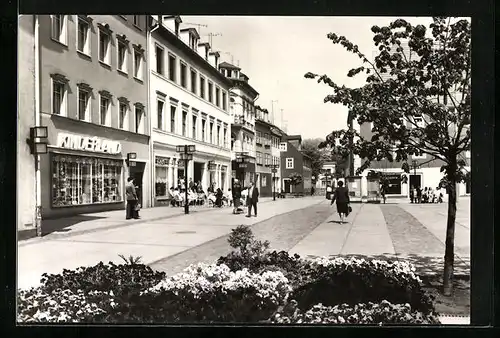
294	161
265	140
242	99
93	99
189	100
25	168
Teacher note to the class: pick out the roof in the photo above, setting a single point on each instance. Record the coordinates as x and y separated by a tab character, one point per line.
191	30
228	65
245	85
294	137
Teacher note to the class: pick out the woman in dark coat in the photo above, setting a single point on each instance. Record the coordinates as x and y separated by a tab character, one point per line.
341	196
218	198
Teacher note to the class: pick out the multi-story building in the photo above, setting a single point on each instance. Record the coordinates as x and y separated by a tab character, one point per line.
265	140
294	161
189	100
425	170
277	135
25	179
93	100
242	108
326	177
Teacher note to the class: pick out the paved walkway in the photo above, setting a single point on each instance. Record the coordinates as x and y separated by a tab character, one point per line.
153	239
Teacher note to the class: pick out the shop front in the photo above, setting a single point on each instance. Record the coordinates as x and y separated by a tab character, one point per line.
170	172
244	172
86	170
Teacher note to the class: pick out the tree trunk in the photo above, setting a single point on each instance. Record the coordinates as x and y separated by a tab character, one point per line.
449	255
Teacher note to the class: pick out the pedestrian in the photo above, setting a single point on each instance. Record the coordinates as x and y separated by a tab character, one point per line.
132	199
341	197
236	192
252	199
218	198
328	192
412	194
419	195
382	192
191	184
312	190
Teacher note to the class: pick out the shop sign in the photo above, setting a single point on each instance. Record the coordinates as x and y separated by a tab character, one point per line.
392	176
242	165
162	160
88	143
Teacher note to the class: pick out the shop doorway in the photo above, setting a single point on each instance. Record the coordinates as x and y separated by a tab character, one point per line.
286	186
137	172
198	172
415	181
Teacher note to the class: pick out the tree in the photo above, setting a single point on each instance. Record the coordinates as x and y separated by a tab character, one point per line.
418	100
295	179
318	156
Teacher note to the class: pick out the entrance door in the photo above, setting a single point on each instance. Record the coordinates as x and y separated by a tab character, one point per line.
137	172
415	181
286	184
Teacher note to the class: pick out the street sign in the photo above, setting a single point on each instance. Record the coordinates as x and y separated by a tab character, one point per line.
274	170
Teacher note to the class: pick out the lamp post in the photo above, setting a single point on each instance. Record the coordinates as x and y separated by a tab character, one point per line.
414	165
186	153
274	170
38	145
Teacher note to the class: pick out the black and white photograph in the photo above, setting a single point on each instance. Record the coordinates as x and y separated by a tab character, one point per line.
243	169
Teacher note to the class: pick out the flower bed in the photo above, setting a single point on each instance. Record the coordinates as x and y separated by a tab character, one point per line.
250	284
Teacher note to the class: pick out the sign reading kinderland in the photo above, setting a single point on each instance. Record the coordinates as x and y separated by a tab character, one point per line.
88	143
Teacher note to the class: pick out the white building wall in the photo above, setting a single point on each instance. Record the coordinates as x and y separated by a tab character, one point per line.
173	94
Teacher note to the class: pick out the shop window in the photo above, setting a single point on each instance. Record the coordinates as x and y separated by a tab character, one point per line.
85	180
263	181
161	180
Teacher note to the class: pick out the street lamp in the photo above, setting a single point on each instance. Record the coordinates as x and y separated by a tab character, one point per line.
274	170
414	165
186	153
38	140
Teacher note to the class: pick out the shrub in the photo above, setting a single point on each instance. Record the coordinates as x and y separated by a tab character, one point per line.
36	305
122	279
212	293
353	281
383	313
242	239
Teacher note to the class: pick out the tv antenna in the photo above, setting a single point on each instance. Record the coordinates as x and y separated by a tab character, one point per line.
196	24
210	37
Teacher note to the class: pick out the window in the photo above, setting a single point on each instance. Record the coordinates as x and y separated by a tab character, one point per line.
83	39
104	42
184	123
195	136
172	68
58	98
172	118
224	101
203	125
283	146
83	105
122	56
159	106
263	181
123	120
78	180
211	132
210	92
161	172
258	137
137	64
138	119
137	20
259	158
202	87
58	28
218	135
217	97
225	137
193	81
183	75
159	60
289	163
105	117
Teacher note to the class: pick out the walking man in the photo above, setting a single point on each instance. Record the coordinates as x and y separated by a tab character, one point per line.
252	199
131	195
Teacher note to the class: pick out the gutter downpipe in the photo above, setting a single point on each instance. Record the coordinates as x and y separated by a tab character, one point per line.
38	176
149	103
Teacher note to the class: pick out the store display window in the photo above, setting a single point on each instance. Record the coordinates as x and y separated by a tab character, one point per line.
80	180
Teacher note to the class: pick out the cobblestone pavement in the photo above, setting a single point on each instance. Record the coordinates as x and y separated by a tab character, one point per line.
282	231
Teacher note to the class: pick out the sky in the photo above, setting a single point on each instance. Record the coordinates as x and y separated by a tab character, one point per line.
276	52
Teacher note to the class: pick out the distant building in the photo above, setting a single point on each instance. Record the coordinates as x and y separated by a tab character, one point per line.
294	161
326	176
242	99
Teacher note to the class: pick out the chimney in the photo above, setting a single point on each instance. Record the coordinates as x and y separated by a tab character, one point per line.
213	58
204	49
172	23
